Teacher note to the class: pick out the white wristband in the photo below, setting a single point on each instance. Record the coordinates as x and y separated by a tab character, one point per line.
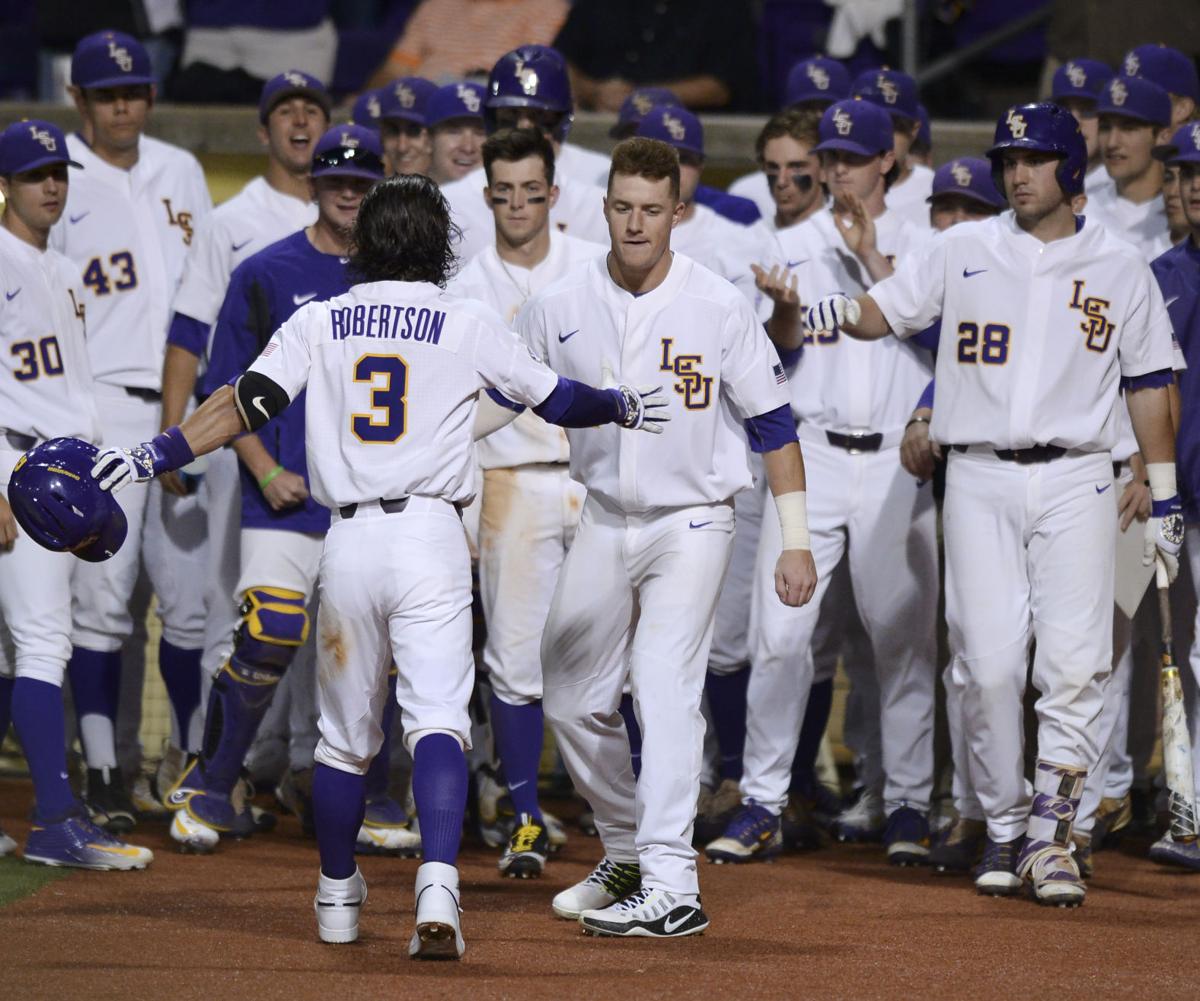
793	520
1162	480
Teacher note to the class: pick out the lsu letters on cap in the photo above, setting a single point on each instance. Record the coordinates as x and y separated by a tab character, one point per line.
1081	79
31	144
856	126
969	176
1136	98
406	99
675	126
110	59
815	81
636	106
348	151
891	90
292	83
1171	69
455	100
1184	146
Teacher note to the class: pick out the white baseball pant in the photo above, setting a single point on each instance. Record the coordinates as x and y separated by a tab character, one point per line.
223	505
393	586
731	629
646	585
866	505
1029	556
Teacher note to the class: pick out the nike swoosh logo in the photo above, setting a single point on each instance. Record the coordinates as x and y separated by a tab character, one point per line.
1171	301
10	296
76	218
300	300
972	274
1101	490
669	925
514	786
256	403
239	246
698	524
178	797
563	338
792	264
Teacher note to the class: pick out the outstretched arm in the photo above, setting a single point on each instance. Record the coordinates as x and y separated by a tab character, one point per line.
861	317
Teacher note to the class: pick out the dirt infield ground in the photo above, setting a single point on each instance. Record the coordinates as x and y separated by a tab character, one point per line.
835	924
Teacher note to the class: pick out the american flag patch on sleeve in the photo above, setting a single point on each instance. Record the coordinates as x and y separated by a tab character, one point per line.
272	345
780	378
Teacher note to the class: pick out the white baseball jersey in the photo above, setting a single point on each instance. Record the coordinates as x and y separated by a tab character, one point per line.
843	384
755	187
729	250
1035	336
393	370
46	391
254	218
1096	180
1144	225
907	199
128	233
506	287
578	163
697	337
579	211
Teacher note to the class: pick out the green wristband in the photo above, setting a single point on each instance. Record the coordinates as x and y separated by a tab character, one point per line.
266	480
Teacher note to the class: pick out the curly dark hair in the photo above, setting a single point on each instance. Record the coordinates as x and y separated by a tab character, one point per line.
403	233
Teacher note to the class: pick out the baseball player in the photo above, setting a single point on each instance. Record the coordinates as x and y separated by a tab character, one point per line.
1177	224
896	93
655	535
1076	86
1027	400
921	150
530	88
407	146
130	220
530	506
391	369
812	85
282	528
1178	275
1133	113
852	406
784	150
45	393
1173	71
454	117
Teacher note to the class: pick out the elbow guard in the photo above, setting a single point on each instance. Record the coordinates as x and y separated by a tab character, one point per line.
258	399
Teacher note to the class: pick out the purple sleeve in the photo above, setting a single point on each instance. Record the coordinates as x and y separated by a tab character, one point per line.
188	333
771	430
574	404
929	337
1148	380
790	357
500	399
926	400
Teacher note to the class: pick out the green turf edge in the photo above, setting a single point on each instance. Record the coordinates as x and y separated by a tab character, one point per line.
19	879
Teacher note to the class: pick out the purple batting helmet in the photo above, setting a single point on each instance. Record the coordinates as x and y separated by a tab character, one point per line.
532	76
59	505
1047	128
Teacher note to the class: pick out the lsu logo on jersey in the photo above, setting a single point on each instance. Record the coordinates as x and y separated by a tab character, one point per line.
1097	326
1016	125
694	386
181	219
469	98
842	122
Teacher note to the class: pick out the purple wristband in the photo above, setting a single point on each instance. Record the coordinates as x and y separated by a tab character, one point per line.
170	450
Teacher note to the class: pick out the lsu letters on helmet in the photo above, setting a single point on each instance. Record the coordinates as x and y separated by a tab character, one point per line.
532	76
1046	128
58	504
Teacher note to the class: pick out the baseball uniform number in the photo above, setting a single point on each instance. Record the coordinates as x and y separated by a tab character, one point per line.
388	376
28	352
97	279
992	350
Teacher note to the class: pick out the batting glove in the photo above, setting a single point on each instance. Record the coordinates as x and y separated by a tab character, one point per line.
1164	535
832	312
116	467
642	406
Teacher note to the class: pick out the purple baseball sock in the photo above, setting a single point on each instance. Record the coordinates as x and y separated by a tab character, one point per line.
379	773
6	690
37	708
634	731
727	705
96	686
339	801
180	671
440	789
816	718
518	733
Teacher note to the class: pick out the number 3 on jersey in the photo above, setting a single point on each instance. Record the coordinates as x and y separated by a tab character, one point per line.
388	377
991	349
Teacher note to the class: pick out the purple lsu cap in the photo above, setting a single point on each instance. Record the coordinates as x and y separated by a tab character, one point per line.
675	126
856	126
1171	69
110	59
31	144
818	78
455	100
367	109
637	105
1133	97
348	151
407	99
1082	79
1183	147
969	176
892	90
292	83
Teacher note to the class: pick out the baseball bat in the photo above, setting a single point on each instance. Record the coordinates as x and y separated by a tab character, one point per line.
1177	745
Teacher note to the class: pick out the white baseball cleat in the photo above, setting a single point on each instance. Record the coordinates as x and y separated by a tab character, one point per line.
648	913
606	884
438	934
7	845
337	904
193	835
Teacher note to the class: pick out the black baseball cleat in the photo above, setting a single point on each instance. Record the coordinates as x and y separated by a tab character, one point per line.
107	801
525	854
647	913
